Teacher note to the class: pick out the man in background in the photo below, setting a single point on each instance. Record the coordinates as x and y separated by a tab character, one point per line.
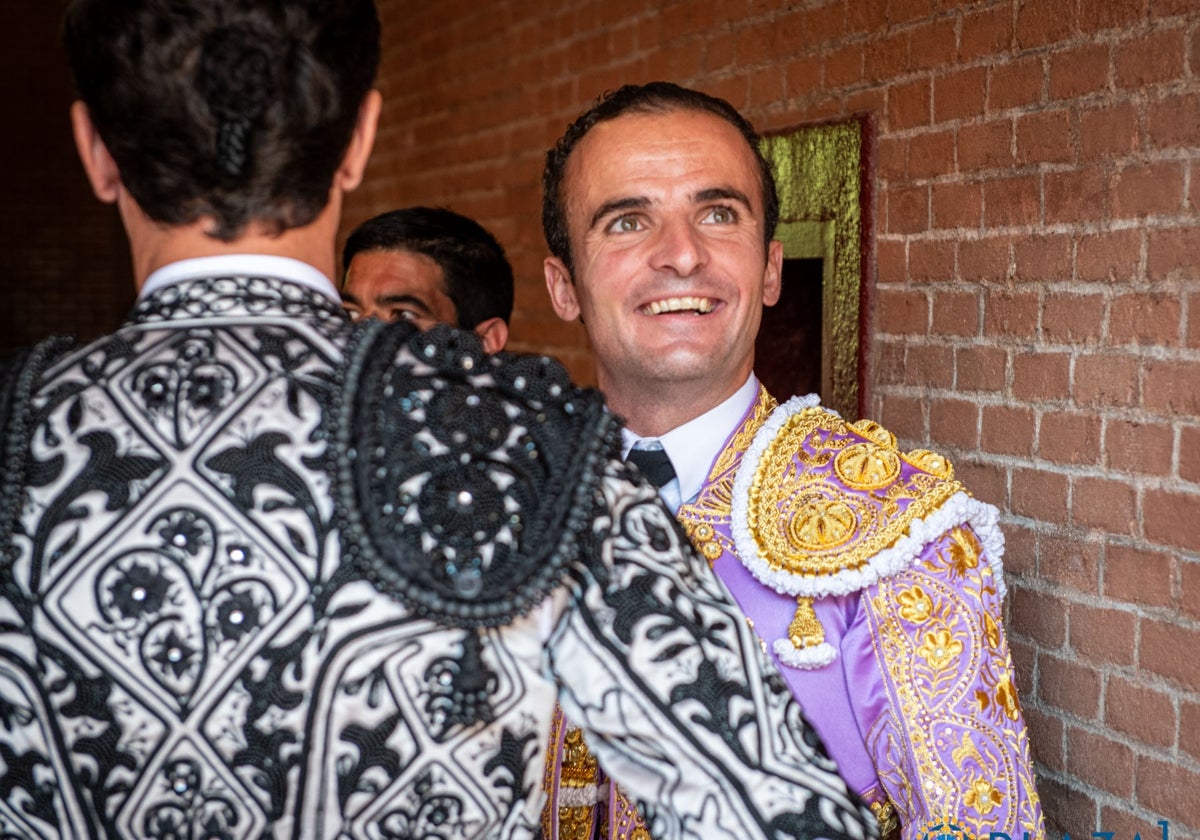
871	574
269	572
429	266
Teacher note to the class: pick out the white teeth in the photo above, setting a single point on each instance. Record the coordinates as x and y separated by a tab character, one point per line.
680	304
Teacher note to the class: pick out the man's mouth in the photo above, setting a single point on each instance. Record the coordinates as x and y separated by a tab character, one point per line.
698	305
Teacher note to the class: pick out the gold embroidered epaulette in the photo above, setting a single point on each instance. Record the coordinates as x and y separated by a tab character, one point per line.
825	507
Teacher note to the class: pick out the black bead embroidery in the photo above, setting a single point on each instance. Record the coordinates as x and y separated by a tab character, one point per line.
18	377
216	297
464	481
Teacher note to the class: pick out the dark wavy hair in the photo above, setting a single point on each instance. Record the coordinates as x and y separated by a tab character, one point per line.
477	276
238	110
650	98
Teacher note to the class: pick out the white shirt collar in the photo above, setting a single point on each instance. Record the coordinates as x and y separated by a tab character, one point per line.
694	446
240	265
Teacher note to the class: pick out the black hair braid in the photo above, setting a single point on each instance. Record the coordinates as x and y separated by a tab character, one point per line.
239	77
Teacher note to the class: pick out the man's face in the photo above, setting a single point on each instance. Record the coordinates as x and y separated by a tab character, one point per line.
665	217
395	286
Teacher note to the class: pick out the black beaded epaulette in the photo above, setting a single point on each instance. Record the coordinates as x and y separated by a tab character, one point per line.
464	482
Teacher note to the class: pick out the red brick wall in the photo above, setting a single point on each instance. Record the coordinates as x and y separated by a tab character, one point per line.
1035	302
1035	305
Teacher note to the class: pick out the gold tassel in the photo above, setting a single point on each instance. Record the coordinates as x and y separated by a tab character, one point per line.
805	631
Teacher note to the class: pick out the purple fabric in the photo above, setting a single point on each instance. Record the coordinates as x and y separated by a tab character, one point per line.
825	694
921	687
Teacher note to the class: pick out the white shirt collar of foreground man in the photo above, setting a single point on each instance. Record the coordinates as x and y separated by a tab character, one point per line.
693	446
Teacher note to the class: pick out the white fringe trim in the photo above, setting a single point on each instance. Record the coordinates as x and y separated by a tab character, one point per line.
580	797
809	658
959	509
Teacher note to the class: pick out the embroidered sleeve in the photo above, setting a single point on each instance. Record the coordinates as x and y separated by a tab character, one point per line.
952	746
675	696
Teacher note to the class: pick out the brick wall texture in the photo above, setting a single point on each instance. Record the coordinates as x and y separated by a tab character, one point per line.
1033	305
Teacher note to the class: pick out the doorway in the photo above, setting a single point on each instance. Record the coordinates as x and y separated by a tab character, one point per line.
812	341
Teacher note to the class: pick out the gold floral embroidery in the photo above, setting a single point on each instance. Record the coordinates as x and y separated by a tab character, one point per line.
955	729
806	523
915	605
991	630
822	525
928	709
867	466
931	462
871	429
964	551
982	796
965	751
940	649
1006	697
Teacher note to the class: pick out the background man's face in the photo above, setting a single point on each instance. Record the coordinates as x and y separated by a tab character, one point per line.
397	285
665	215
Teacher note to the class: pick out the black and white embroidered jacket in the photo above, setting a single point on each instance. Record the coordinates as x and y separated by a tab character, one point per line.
269	573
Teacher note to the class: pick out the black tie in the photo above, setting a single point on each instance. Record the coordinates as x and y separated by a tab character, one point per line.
654	464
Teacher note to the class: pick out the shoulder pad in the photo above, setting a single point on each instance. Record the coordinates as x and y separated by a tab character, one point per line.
463	481
824	507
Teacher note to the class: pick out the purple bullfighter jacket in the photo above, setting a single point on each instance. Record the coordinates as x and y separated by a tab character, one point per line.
874	580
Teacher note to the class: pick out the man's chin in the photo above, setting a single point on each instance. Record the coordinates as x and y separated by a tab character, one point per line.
672	366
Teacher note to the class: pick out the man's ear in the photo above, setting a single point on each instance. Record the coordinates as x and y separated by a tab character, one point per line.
354	162
773	277
98	164
493	333
561	287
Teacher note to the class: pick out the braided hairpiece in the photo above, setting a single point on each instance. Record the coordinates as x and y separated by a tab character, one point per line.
239	76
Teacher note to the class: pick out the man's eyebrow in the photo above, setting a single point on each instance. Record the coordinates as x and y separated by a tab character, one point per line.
411	300
610	207
728	193
347	297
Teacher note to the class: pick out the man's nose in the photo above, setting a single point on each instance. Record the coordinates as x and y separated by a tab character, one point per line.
679	248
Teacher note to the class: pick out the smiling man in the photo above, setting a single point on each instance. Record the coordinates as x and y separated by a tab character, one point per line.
870	574
666	254
429	265
268	572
